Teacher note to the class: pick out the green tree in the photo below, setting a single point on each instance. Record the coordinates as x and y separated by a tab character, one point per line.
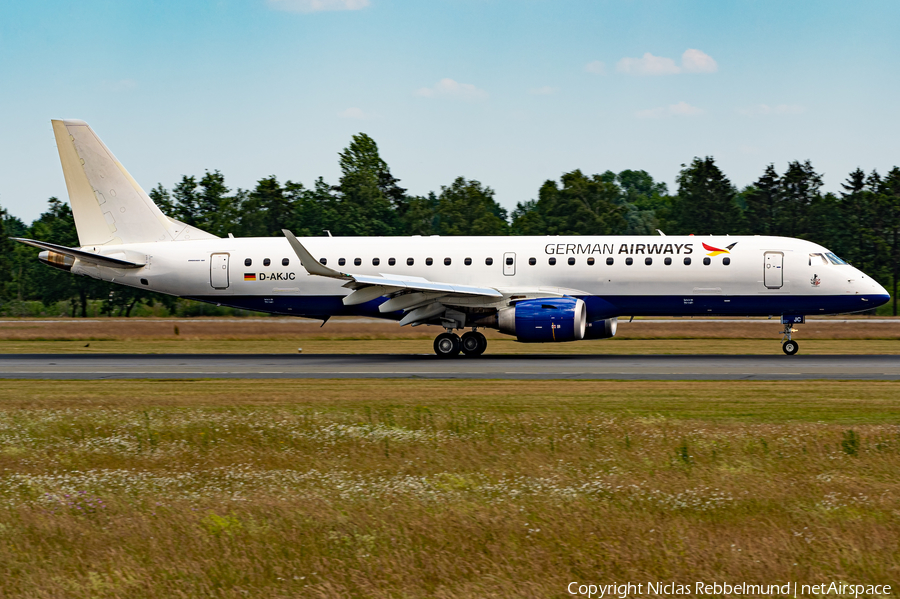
468	208
764	203
421	217
800	188
186	203
57	225
706	200
889	201
582	205
7	262
216	210
369	198
163	199
269	209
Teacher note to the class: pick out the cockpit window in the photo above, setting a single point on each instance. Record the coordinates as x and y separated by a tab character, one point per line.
817	259
834	259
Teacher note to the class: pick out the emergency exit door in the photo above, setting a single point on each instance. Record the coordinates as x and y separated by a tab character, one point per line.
509	264
773	273
218	271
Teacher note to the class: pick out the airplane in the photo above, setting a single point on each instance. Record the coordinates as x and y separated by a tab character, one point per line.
538	289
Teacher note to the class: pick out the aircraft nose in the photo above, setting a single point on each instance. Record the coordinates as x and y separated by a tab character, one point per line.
880	293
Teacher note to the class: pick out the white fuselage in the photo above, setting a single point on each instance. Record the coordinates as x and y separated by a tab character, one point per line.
757	276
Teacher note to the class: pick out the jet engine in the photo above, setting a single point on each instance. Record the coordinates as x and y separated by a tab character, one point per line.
547	319
602	329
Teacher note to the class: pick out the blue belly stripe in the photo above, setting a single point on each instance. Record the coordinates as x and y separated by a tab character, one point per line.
597	307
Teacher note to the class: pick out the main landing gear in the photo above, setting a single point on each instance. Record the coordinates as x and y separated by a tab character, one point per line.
449	344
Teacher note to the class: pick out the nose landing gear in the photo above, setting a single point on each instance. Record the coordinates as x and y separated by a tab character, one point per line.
789	346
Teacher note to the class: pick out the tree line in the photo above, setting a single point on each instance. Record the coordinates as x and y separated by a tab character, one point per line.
861	223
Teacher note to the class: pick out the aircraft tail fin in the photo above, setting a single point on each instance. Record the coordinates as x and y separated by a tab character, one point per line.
108	204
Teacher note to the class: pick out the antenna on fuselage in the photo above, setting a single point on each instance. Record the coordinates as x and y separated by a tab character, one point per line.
327	231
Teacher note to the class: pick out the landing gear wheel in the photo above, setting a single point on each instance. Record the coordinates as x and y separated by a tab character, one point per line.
473	343
790	347
446	345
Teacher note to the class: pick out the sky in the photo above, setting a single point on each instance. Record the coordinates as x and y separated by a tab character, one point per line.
508	92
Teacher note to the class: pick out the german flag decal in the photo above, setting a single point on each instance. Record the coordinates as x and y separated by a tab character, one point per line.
249	276
714	251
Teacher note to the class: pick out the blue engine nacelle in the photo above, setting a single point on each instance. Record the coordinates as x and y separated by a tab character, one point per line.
549	319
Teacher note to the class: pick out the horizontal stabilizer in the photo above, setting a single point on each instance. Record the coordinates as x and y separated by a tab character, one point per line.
80	254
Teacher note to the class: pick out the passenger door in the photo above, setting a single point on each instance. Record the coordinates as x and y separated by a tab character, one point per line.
218	271
509	264
773	273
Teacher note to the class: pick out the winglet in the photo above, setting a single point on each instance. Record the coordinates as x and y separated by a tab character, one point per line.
312	266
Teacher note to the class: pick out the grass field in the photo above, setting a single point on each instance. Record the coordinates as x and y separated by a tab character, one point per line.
442	488
278	336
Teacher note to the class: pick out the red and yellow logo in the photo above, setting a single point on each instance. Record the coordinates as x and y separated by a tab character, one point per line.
249	276
714	251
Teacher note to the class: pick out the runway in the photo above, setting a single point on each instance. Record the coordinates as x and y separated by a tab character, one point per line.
319	366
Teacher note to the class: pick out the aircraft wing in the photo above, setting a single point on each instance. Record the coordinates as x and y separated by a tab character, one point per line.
423	301
80	254
389	284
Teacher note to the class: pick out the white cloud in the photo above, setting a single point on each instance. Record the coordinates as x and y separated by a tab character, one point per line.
695	61
680	109
316	5
692	61
596	67
353	113
451	89
648	65
765	110
543	91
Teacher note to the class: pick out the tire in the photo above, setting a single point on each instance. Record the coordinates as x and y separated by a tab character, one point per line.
790	347
446	345
473	344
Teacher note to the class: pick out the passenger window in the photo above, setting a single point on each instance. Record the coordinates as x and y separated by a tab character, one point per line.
428	261
590	261
392	261
552	261
668	261
532	261
357	261
468	261
267	262
726	260
447	261
571	261
648	261
706	261
488	261
376	261
248	262
509	261
341	262
687	261
285	261
609	261
628	261
322	260
410	261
